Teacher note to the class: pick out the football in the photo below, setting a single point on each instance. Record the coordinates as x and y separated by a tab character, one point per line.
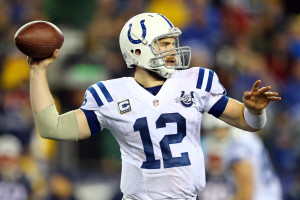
38	39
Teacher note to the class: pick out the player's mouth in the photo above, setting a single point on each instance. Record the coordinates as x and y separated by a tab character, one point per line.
171	62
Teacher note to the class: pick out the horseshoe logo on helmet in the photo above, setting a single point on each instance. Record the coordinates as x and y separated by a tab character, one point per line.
143	35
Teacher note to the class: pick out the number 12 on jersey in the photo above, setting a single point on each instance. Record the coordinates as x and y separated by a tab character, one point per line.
141	125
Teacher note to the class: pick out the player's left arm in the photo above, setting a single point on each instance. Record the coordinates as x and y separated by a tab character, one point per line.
250	115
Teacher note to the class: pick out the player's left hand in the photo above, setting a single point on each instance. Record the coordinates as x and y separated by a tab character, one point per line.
258	98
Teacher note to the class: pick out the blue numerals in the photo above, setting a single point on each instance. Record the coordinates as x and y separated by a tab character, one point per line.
141	125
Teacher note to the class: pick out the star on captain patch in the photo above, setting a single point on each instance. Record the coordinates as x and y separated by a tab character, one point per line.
124	106
155	102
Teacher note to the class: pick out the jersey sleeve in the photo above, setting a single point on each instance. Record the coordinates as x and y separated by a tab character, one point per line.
93	106
237	152
216	99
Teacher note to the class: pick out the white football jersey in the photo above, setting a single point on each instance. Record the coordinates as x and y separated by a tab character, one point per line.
159	135
247	146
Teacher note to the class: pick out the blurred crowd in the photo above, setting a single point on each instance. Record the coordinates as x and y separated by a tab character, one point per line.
242	40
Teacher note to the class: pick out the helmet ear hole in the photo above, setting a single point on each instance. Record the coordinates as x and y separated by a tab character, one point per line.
138	52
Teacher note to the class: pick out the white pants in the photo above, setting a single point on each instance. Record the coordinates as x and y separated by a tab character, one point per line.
128	198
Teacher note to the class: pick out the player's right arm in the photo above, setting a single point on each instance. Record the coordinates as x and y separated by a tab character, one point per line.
69	126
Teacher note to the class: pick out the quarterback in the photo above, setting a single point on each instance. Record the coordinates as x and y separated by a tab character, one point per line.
156	115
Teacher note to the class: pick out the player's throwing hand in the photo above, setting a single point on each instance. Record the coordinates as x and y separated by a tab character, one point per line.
42	64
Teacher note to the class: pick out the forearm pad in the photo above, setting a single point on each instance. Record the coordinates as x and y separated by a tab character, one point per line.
51	125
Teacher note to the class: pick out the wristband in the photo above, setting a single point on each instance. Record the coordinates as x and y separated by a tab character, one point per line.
255	121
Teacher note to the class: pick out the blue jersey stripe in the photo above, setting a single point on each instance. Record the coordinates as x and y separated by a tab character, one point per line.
210	79
200	78
104	91
96	96
219	107
92	121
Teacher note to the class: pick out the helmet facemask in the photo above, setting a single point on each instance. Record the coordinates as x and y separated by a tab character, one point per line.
181	56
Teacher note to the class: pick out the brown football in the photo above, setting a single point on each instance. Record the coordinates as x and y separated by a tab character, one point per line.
38	39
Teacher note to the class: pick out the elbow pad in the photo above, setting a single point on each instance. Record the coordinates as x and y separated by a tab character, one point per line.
51	125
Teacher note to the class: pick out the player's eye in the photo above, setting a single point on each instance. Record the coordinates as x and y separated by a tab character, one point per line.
163	44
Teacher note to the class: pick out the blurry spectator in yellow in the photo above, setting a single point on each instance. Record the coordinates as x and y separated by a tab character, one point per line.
13	183
15	72
61	186
36	162
176	11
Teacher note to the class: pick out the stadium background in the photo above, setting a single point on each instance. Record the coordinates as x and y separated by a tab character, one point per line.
242	40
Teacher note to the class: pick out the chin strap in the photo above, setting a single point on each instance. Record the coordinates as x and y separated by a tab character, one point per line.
164	72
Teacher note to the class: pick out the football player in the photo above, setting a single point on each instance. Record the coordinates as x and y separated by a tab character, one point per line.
231	153
156	115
